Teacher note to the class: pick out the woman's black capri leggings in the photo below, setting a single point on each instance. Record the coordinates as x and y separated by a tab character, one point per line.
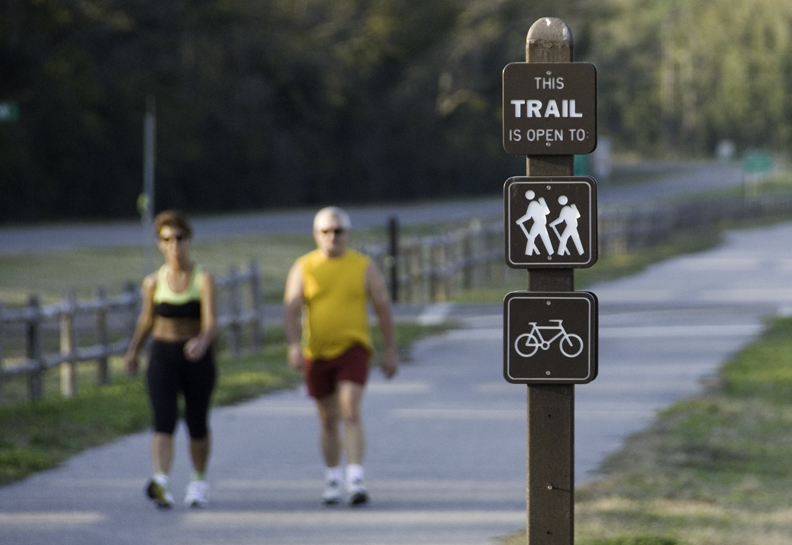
169	373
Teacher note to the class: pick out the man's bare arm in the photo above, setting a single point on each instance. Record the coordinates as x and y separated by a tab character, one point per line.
378	294
292	310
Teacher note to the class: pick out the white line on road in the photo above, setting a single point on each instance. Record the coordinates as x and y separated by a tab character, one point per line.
678	331
721	264
627	332
357	518
398	388
412	486
404	492
732	295
747	295
50	518
459	414
613	411
435	314
474	334
273	410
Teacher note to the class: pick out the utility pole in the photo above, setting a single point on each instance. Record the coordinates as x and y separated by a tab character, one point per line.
146	200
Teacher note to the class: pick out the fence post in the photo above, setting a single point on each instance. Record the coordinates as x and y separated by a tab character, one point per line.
33	349
451	256
434	273
235	341
495	267
130	310
257	321
68	345
392	261
469	254
103	369
415	272
2	356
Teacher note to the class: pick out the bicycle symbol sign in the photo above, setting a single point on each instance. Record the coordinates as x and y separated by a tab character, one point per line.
570	344
550	337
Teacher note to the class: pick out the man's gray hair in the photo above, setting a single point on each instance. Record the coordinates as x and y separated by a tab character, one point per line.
333	211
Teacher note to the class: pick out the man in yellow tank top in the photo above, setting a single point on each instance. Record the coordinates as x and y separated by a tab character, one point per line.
331	287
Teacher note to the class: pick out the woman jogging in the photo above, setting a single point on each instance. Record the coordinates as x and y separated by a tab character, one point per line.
178	310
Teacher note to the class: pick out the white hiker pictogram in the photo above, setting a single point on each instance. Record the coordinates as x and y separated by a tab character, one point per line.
527	344
569	214
537	212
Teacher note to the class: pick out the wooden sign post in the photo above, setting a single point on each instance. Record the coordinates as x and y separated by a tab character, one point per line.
550	115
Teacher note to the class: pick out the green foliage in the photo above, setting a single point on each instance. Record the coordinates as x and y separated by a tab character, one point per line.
260	103
764	369
682	75
273	103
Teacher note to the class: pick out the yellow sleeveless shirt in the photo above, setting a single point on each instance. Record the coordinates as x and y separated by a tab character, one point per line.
336	316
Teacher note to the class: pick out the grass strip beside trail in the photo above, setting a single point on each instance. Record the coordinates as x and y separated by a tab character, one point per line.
715	469
35	436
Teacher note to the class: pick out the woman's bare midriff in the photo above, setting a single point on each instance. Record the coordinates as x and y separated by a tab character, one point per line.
175	329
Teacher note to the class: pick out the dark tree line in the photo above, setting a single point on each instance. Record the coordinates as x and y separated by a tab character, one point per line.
273	103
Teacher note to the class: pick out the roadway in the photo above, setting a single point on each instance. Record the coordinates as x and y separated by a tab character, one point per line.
446	458
685	179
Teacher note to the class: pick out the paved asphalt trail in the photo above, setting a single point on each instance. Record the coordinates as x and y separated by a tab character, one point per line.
446	458
446	462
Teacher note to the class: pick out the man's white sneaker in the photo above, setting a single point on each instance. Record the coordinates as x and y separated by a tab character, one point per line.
157	491
197	494
356	492
332	493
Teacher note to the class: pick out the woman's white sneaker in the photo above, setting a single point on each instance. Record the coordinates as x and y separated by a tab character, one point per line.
197	494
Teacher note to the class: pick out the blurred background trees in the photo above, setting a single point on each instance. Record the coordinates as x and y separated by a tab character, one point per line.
275	103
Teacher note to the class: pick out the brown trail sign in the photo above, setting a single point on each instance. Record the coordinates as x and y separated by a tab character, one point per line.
549	108
550	222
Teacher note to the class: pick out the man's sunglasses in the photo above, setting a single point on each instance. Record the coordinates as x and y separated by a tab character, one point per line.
177	238
337	231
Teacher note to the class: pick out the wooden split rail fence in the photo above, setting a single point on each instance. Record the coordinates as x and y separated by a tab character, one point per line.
431	268
39	337
420	270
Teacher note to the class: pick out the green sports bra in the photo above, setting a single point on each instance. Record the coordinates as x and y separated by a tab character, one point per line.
182	304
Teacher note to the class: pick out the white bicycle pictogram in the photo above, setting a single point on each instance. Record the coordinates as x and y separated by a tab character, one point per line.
570	344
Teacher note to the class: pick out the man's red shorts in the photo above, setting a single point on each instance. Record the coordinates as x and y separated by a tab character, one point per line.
321	376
